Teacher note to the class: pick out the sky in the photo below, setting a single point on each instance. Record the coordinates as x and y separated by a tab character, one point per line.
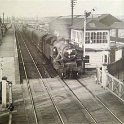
40	8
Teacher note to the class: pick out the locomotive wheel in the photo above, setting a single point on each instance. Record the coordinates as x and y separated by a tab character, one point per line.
75	74
61	74
67	74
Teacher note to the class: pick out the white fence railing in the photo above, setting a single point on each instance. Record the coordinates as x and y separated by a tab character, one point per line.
10	106
7	102
111	83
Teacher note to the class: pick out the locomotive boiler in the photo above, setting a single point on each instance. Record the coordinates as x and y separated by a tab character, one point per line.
65	57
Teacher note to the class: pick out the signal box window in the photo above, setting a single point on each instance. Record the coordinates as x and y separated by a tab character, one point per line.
87	59
105	58
96	37
87	38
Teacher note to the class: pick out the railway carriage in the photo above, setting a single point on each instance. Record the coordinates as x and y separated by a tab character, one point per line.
28	32
47	43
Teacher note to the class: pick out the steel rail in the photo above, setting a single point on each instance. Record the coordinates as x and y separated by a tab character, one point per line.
10	112
79	101
19	50
29	88
46	70
54	104
98	99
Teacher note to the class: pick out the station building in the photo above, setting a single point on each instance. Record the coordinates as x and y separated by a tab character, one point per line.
97	41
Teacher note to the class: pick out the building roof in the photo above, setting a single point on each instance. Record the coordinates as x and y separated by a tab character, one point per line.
117	25
66	20
103	21
102	16
108	19
94	22
91	24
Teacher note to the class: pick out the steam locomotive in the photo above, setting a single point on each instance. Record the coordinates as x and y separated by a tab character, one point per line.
65	57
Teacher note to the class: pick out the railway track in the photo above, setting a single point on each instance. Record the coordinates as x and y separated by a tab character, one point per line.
42	61
63	119
30	90
33	113
100	101
50	93
90	115
94	100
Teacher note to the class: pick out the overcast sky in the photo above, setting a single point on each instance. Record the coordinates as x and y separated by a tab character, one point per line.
34	8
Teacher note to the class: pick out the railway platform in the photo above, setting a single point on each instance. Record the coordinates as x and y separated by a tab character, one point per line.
9	57
8	66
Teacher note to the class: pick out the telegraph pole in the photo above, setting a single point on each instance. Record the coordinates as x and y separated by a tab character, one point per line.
86	14
73	3
72	12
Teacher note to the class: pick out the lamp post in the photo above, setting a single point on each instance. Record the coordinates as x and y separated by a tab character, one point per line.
86	14
73	3
83	43
72	7
84	34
